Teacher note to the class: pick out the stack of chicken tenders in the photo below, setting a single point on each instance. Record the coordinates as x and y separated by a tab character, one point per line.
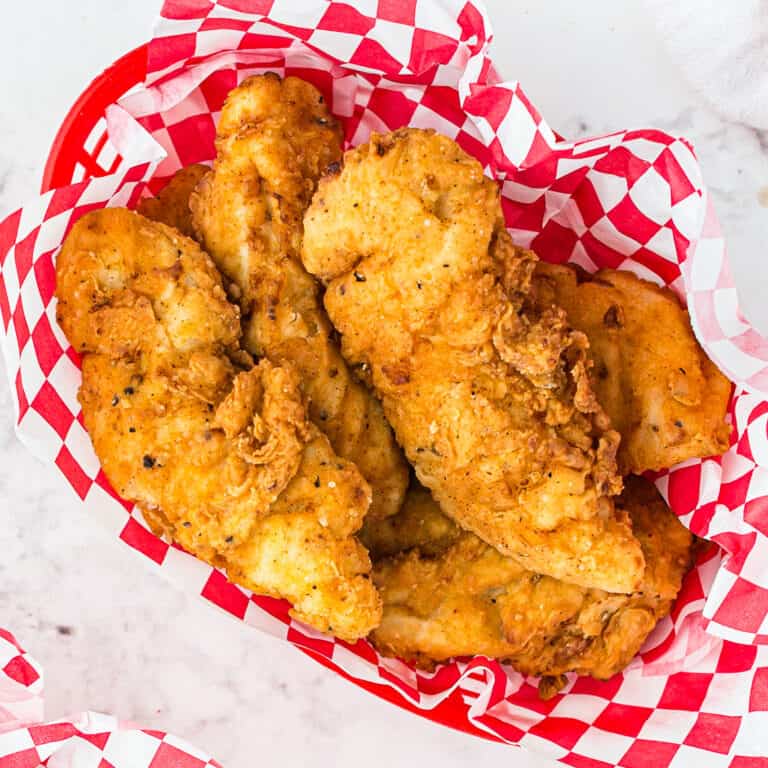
334	376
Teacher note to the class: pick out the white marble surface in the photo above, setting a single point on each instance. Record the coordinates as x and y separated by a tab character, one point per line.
112	636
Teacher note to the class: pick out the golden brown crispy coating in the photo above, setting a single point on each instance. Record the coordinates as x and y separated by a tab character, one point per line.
465	598
275	138
171	205
487	393
419	523
218	454
662	393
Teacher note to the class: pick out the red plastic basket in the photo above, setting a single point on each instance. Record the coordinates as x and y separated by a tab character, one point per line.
76	154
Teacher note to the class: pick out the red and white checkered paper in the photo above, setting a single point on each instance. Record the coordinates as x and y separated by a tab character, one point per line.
89	740
698	693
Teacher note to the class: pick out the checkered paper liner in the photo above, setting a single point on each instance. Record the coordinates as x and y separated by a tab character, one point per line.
635	199
90	740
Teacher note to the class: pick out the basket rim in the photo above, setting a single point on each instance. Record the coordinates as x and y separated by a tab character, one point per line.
111	84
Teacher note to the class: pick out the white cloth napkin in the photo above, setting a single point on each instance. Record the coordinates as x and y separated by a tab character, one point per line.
722	48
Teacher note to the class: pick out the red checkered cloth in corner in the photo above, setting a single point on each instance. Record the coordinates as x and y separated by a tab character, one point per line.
91	739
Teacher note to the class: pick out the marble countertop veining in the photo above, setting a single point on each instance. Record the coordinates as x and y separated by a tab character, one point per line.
114	637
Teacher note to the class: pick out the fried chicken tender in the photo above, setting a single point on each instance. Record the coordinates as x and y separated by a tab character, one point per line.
171	205
218	454
275	138
662	393
487	393
463	597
